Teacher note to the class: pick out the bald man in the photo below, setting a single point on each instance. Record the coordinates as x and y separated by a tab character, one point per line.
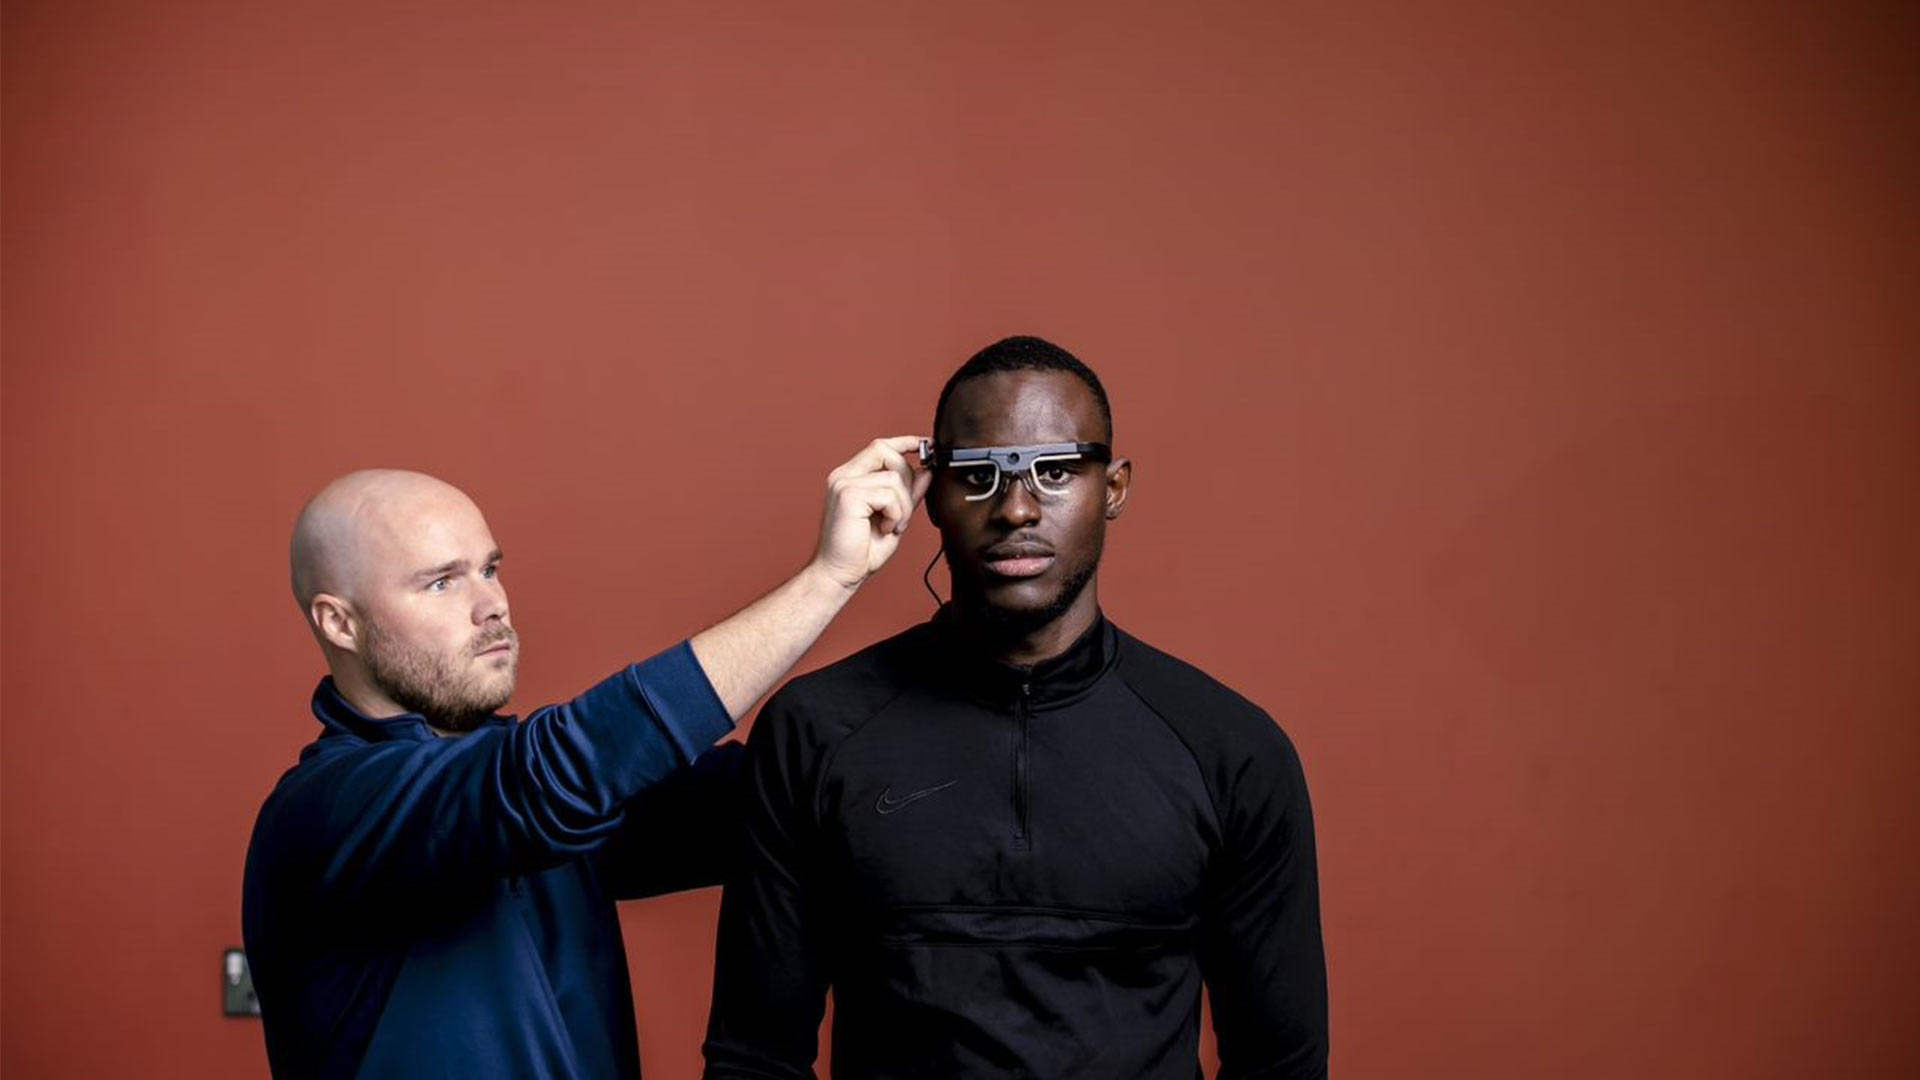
430	890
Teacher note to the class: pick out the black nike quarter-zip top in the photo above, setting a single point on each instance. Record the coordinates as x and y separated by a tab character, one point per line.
1007	872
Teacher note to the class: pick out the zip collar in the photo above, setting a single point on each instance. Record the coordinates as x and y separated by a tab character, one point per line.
339	717
957	659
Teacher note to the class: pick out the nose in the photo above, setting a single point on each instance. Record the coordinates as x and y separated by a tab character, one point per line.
490	601
1017	506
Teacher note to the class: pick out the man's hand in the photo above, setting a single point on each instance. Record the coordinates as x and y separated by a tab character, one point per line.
870	502
870	499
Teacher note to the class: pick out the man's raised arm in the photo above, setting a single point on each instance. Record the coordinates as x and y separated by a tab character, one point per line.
870	501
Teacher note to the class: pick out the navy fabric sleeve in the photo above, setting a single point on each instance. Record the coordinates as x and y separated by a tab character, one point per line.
770	975
1260	949
682	833
407	817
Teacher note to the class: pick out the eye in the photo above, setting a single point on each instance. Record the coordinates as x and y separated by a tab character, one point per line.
441	583
979	477
1056	472
491	571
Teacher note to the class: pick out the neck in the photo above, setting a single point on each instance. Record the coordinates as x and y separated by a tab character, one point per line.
369	701
1023	646
366	698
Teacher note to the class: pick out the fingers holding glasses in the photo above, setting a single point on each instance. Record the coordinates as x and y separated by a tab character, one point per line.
870	501
890	454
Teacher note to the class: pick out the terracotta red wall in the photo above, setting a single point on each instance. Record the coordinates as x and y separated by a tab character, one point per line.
1524	400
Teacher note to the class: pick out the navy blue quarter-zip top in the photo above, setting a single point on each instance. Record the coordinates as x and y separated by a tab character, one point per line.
417	906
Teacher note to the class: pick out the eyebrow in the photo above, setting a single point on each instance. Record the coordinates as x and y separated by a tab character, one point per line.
455	566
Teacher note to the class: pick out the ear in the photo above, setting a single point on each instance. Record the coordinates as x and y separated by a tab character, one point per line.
1119	482
334	620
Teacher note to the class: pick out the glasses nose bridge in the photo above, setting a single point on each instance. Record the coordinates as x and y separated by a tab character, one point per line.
1030	477
1023	477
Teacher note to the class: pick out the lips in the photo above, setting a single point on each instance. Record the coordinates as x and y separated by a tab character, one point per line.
1017	560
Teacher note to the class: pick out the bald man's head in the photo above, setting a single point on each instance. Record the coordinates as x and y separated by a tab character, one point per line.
354	520
398	575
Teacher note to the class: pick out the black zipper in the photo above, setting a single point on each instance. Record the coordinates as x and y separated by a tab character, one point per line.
1021	839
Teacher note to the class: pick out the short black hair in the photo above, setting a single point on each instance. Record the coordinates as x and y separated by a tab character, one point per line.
1024	353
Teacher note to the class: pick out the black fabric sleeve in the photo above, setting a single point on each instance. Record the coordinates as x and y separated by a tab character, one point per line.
1261	951
770	973
682	833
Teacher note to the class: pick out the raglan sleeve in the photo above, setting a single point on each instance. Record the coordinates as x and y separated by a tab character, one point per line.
393	819
770	972
1261	951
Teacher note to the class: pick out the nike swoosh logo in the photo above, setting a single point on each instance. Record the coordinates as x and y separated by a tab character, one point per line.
885	804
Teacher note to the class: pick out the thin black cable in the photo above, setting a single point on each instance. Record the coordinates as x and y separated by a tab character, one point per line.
927	575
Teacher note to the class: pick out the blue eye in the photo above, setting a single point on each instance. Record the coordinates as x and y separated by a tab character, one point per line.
439	584
490	572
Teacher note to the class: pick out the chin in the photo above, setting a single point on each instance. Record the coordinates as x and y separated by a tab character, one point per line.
1021	597
1023	605
490	694
1013	598
499	696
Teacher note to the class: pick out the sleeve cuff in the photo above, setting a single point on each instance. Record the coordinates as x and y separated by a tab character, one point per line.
682	700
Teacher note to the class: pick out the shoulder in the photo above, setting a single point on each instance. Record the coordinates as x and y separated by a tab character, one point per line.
311	784
304	801
1200	708
1248	763
829	703
340	775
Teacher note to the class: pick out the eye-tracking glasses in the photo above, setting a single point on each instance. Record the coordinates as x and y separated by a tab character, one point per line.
1048	469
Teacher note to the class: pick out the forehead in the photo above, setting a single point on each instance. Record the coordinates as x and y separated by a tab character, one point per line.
1014	408
409	535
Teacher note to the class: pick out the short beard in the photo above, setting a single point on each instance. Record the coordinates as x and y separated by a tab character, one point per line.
424	682
1013	624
